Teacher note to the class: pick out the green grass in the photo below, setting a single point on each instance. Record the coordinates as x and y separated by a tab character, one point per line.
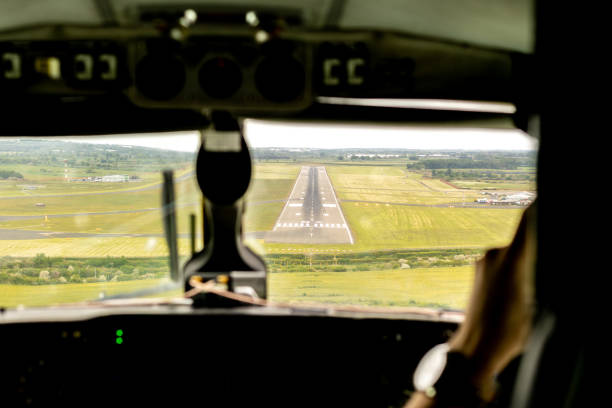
495	185
393	226
77	203
272	181
261	217
14	295
438	287
387	226
80	204
375	226
146	222
47	180
380	227
393	185
91	247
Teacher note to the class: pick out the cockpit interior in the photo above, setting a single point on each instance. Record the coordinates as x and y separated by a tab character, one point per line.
273	203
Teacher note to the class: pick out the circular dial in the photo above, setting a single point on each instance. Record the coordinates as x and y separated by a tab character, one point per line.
280	78
220	78
160	77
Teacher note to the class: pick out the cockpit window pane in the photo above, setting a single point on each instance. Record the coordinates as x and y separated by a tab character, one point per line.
81	218
342	215
383	216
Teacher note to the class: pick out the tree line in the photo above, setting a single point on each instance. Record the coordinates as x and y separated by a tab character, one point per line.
497	164
4	174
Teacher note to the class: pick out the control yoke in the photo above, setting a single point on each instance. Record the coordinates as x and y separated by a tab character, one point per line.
223	172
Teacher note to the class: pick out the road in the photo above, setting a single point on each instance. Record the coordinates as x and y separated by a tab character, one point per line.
312	214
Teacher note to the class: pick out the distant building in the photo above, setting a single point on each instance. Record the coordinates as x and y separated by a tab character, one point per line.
115	178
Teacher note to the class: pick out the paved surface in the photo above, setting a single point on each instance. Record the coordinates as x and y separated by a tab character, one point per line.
312	214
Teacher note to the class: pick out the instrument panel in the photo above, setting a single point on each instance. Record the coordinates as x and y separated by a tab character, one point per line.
214	358
161	73
249	71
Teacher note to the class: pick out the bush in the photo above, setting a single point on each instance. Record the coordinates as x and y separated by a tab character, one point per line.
126	268
4	174
96	262
75	278
31	272
41	261
86	273
17	279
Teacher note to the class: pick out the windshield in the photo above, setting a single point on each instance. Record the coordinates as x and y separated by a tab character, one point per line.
370	215
381	215
81	218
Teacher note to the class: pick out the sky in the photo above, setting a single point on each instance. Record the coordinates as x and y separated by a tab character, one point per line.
325	136
272	134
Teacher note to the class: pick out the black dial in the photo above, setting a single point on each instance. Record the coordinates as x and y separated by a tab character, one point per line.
220	78
160	77
280	79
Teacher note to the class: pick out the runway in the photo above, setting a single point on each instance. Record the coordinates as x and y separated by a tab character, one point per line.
312	214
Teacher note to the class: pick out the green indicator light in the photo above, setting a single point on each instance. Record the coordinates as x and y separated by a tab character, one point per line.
119	340
119	333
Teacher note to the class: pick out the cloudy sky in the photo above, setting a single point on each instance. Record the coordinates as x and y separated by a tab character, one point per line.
278	134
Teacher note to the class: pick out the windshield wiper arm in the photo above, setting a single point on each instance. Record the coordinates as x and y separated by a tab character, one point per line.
169	220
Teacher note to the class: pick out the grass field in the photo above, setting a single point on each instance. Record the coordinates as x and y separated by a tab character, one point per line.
271	182
26	295
393	184
47	181
386	206
388	225
91	247
393	226
447	287
494	185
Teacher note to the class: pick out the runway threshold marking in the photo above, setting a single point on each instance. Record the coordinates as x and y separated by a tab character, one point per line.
331	203
295	183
